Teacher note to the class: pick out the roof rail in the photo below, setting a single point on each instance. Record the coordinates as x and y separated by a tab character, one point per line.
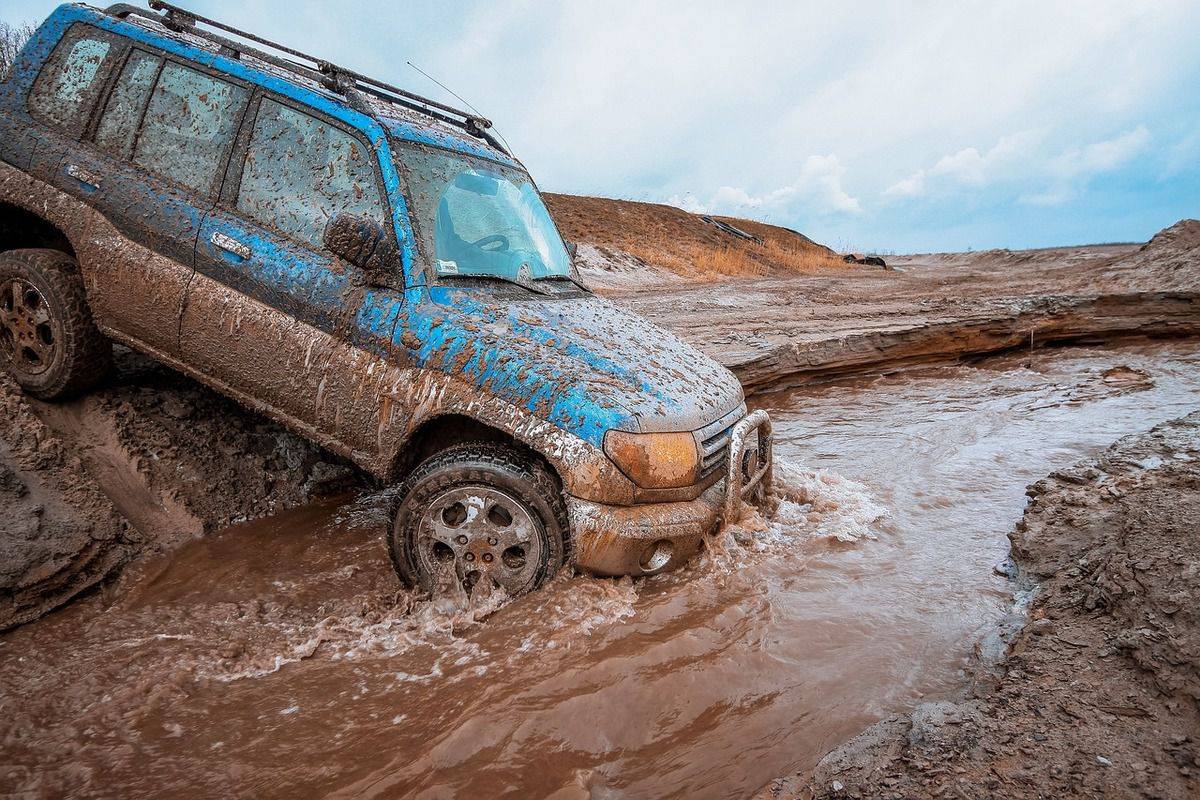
348	83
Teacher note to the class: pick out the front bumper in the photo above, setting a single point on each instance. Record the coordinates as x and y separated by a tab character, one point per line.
655	537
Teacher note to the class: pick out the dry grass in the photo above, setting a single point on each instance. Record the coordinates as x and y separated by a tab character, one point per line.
672	239
750	260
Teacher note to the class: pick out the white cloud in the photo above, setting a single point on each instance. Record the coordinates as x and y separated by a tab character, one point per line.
1020	161
1102	156
1070	171
817	190
911	186
970	168
1050	197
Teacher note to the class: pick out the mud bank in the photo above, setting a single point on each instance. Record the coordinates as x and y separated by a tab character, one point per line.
59	533
1098	695
148	460
777	333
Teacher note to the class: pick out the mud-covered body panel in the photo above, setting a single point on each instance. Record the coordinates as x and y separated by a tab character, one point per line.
287	328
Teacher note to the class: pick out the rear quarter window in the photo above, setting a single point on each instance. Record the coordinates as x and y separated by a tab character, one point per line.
189	126
67	86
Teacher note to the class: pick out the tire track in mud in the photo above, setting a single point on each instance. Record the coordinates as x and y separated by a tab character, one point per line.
90	431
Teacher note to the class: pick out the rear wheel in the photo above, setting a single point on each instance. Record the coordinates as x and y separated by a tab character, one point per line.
479	517
47	338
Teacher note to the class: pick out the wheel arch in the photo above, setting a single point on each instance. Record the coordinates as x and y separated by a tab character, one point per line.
21	228
446	430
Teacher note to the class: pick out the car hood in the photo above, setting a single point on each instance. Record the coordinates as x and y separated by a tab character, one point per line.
582	363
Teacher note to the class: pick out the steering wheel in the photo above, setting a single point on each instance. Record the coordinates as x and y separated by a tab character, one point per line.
498	239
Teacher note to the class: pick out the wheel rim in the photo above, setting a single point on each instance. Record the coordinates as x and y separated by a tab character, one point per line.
28	335
481	538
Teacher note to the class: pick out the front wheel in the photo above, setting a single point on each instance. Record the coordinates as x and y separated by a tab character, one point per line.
479	517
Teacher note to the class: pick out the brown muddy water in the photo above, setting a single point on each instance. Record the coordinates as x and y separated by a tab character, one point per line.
278	659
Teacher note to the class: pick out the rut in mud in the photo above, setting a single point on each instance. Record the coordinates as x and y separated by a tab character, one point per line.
142	464
277	658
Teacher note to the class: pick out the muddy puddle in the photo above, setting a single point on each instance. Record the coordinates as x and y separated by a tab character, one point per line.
278	659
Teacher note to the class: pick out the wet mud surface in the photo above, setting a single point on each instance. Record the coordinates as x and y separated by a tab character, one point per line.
277	657
1098	695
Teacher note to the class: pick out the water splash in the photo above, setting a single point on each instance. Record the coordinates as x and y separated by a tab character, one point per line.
805	505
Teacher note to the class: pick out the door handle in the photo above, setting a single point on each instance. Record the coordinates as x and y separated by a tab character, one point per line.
83	176
231	245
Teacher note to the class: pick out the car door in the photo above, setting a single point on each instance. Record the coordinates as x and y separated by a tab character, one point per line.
154	164
270	311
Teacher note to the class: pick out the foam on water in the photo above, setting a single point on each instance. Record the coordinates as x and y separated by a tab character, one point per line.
804	505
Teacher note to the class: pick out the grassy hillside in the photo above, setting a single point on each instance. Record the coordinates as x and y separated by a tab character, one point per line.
623	242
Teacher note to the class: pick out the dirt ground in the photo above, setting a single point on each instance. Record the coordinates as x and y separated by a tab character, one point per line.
144	462
775	332
1099	693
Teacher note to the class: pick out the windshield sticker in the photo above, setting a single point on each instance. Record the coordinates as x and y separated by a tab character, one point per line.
448	267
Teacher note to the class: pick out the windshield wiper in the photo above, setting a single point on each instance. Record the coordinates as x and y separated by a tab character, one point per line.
524	284
570	278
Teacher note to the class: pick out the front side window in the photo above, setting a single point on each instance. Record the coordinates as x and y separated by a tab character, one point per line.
67	86
300	172
126	103
189	124
476	217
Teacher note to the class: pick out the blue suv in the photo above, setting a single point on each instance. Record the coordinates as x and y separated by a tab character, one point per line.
372	269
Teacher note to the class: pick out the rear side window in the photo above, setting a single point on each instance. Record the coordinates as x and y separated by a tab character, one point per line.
126	103
67	86
300	172
189	125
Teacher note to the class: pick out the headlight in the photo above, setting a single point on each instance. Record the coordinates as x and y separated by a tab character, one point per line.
655	460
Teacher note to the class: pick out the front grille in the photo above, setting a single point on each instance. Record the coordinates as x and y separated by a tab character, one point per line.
714	442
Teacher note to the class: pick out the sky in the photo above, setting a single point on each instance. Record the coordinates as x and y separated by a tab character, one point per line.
878	126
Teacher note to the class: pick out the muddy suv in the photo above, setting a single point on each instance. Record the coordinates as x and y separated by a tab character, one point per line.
372	269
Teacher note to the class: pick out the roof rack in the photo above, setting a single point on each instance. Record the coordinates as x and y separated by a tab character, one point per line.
354	86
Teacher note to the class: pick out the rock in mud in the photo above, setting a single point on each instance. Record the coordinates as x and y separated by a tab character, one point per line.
1099	695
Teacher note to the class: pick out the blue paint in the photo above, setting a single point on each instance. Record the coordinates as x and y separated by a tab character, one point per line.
579	363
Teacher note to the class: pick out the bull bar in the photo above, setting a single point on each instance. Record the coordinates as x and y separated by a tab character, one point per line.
742	479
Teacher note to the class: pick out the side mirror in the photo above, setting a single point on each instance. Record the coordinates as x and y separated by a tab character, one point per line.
365	244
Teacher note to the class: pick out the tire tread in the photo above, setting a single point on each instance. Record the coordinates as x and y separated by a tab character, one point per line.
87	353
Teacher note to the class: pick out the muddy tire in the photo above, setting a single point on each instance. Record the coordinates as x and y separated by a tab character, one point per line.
478	516
48	341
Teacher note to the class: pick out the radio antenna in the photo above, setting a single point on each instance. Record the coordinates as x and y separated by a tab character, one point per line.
461	99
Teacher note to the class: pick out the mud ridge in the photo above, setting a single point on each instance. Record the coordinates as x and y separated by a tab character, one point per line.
141	464
59	534
1026	323
1100	692
776	333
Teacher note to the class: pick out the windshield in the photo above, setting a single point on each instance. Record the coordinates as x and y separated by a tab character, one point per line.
475	217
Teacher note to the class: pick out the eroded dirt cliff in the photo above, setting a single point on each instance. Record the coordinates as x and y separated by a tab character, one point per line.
59	533
777	332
